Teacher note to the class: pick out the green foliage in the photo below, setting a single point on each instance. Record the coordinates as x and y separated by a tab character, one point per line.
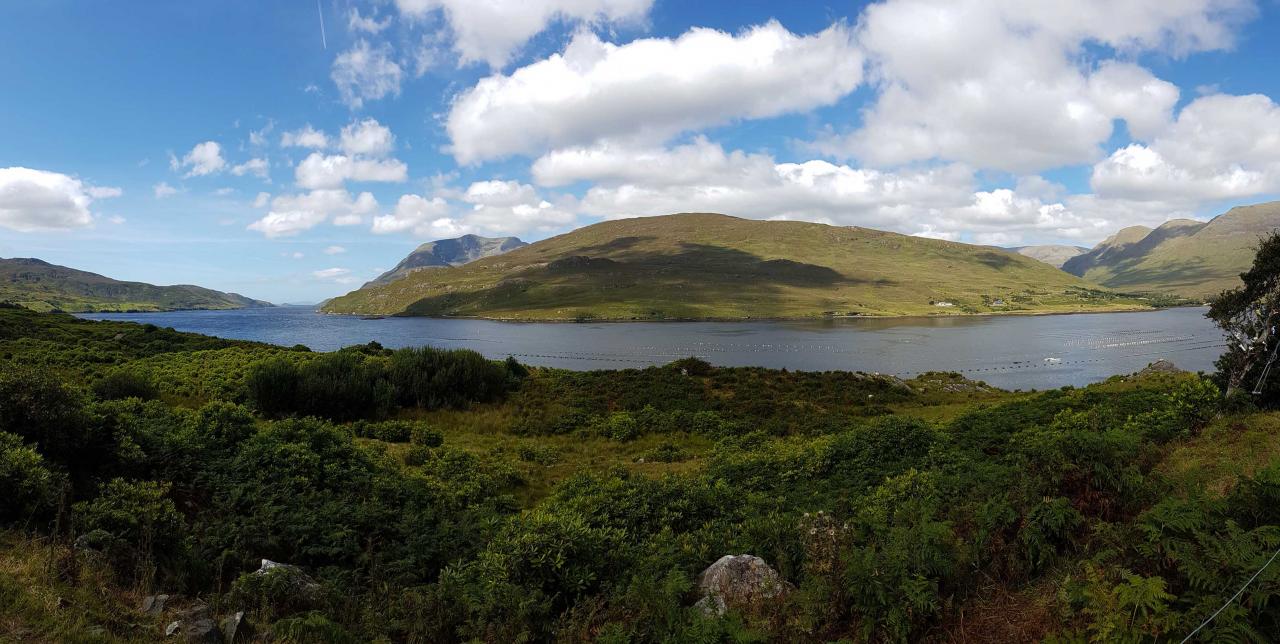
135	523
537	521
29	487
125	383
368	383
311	628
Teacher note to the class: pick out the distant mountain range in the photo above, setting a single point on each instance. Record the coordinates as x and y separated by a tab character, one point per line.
42	286
1052	254
1182	257
710	266
448	252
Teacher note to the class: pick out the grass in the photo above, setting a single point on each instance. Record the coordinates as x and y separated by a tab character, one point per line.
705	266
1229	448
50	594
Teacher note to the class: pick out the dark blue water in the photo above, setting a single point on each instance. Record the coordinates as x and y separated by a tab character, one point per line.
1013	352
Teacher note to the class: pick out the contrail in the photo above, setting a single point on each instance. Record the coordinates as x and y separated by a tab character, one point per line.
323	41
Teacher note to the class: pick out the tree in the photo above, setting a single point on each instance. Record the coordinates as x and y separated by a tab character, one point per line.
1249	316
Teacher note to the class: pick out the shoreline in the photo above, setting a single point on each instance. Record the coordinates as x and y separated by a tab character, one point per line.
912	316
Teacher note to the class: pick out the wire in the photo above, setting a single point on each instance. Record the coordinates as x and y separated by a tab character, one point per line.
1233	598
1266	370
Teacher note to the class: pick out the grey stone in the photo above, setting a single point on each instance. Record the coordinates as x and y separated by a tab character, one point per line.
737	581
154	604
236	628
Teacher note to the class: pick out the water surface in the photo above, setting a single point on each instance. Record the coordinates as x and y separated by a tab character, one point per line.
1012	352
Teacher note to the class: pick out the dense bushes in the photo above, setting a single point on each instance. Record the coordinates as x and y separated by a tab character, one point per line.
364	384
593	521
28	486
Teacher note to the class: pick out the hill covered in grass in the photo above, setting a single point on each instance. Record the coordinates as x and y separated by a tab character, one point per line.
710	266
42	286
449	252
1181	257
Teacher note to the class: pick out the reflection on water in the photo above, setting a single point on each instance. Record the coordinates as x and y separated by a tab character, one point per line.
1014	352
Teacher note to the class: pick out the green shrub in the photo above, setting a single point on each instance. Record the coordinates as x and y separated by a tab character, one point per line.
28	486
125	383
139	523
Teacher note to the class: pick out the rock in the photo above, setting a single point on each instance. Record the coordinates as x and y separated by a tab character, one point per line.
201	630
195	625
236	628
738	581
298	580
1160	366
154	604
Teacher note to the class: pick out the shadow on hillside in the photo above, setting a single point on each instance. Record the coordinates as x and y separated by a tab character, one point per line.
1188	273
619	244
692	275
995	260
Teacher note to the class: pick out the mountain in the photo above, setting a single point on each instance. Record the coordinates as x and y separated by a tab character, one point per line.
1054	255
449	252
705	266
1183	257
42	286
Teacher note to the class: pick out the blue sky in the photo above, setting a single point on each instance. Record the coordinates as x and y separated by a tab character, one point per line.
232	145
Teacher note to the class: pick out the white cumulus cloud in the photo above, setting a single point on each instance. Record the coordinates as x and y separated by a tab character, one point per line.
306	137
203	159
257	167
331	171
651	88
367	137
1006	84
39	200
492	30
293	214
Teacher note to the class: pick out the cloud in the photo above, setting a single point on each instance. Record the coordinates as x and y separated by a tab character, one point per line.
334	250
1219	147
103	192
257	167
293	214
258	138
417	213
1001	84
651	89
493	30
163	189
367	137
38	200
366	73
307	137
336	275
203	159
366	24
261	200
505	207
116	220
331	171
937	201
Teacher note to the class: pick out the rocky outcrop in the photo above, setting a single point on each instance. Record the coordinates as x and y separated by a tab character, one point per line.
738	582
295	580
1160	366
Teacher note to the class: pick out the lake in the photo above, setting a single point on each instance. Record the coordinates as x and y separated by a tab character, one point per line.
1011	352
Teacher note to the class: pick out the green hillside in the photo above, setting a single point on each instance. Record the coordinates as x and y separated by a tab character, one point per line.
42	286
701	266
1181	257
